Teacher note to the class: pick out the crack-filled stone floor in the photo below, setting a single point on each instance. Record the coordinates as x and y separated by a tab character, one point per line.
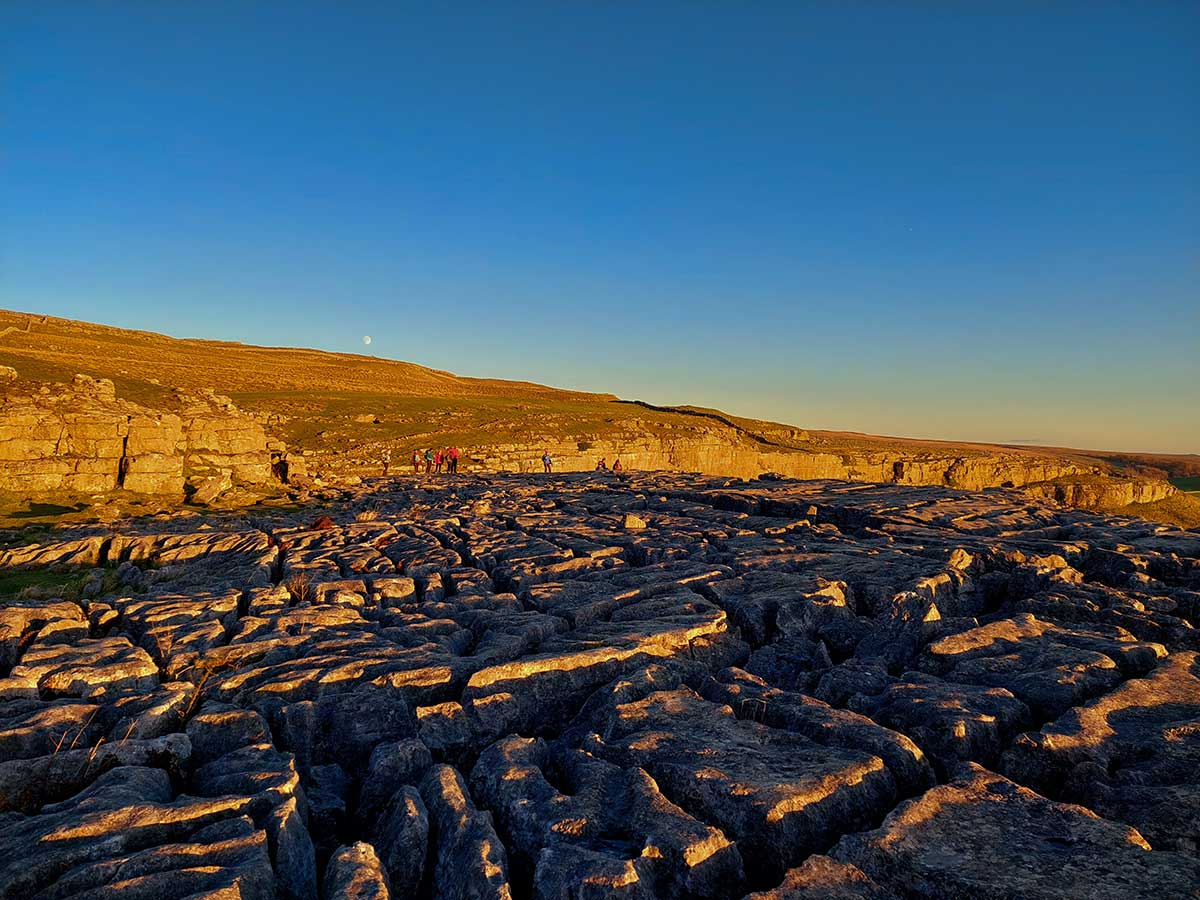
589	687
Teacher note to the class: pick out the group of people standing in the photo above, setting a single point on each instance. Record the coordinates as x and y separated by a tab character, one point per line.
601	466
432	459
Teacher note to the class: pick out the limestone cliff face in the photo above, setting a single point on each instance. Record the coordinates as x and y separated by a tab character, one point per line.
715	456
83	439
1055	480
1105	493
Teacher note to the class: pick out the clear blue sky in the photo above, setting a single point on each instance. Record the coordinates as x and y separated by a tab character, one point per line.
960	220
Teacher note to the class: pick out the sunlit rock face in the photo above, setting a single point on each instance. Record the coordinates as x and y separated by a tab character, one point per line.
82	438
470	687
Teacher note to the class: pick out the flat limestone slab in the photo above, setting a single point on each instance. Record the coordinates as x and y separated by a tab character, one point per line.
1132	755
982	837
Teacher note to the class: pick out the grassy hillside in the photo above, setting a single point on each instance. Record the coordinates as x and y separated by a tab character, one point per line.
1182	510
323	401
144	366
350	405
320	397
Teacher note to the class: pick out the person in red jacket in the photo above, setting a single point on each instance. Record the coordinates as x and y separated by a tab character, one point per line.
437	461
454	453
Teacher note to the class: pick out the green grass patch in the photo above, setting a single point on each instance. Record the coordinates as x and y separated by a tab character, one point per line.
42	582
51	582
47	510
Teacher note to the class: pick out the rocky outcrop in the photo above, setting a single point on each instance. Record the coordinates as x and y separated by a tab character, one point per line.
81	438
722	451
1102	493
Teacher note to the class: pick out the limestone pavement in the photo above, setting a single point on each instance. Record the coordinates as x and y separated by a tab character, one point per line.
591	686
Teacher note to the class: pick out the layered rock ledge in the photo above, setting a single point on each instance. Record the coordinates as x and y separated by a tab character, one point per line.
81	438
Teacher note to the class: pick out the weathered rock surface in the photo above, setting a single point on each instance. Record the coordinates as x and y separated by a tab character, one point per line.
780	795
1133	755
355	873
821	878
82	438
470	862
506	687
982	836
597	824
953	722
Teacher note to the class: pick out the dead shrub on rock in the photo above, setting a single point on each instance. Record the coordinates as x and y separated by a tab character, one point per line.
301	587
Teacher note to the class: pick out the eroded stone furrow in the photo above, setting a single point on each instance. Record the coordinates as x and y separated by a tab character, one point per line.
650	686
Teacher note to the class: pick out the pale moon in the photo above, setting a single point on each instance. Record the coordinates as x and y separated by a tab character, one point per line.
366	339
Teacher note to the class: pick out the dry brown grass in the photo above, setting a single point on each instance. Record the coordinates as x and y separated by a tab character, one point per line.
1182	510
145	366
204	671
301	587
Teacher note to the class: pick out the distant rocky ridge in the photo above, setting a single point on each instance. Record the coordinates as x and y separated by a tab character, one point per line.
147	417
82	438
719	452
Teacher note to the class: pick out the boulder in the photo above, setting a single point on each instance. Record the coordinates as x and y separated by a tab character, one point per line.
207	490
401	839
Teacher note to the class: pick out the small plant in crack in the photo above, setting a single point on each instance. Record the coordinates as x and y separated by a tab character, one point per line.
301	587
201	674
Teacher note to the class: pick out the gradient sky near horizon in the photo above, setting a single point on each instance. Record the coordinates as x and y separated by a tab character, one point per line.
962	221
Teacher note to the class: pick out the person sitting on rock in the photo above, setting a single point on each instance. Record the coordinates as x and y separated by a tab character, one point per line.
416	461
547	462
602	466
617	467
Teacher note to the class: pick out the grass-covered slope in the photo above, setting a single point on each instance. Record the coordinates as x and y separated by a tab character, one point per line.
349	406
